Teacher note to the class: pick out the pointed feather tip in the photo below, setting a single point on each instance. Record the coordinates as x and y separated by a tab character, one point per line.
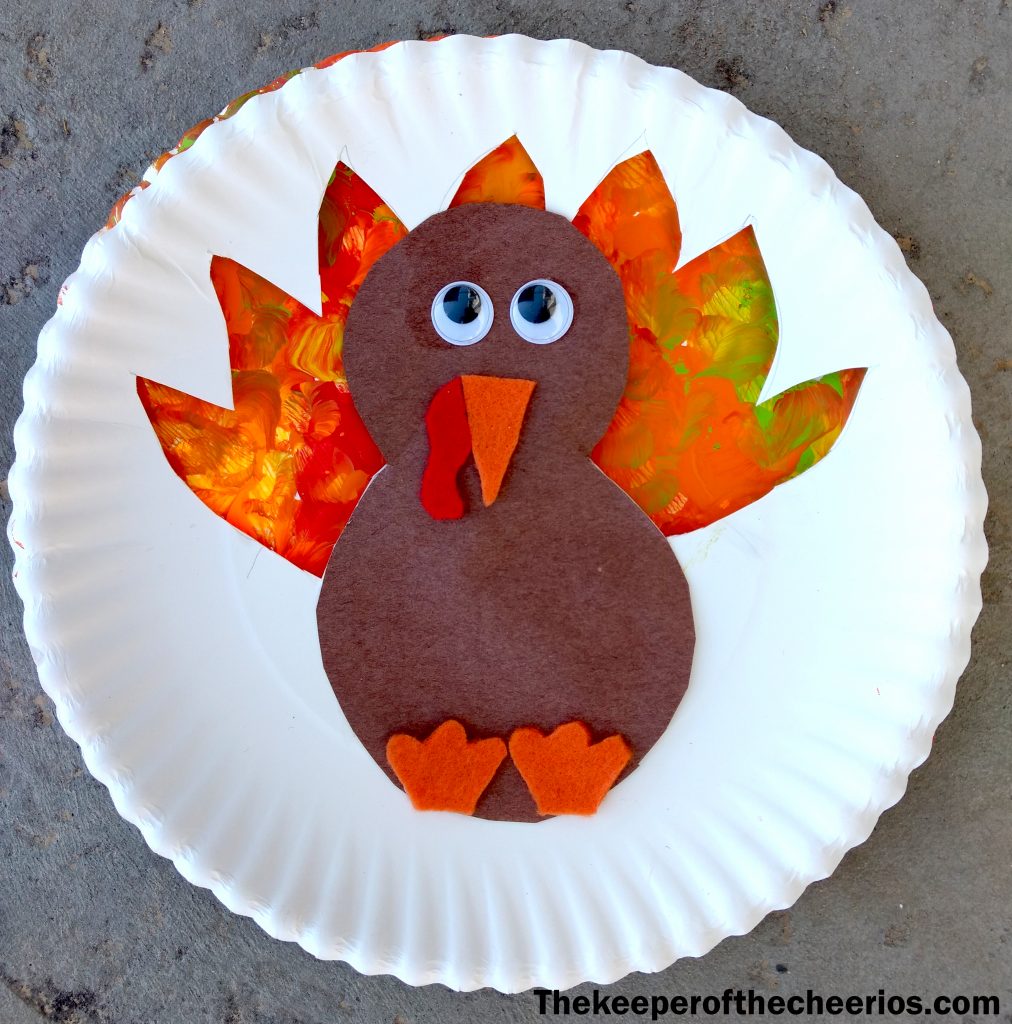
631	215
505	175
777	386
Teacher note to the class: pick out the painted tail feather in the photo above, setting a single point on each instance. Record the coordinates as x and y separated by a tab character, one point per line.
289	464
688	442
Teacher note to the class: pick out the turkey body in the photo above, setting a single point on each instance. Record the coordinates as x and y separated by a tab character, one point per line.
561	602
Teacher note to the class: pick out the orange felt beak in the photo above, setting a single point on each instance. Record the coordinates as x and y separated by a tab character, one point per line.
471	416
495	413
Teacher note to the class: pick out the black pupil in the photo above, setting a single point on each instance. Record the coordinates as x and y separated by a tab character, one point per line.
461	304
536	303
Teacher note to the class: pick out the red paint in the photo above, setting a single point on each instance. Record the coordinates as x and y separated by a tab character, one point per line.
449	449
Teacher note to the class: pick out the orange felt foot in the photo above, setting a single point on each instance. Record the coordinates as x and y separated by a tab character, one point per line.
445	772
565	772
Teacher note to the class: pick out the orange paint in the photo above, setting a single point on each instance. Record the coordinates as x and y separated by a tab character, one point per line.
631	216
289	464
445	772
688	442
506	175
565	772
116	213
495	413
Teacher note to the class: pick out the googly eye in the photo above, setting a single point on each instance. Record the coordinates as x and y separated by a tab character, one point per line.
462	313
541	312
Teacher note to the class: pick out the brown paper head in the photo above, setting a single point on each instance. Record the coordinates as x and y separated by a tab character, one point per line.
396	361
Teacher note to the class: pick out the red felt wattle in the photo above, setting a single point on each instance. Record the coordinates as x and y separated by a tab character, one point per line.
449	448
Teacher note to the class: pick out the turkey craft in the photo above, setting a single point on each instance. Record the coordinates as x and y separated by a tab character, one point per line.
481	445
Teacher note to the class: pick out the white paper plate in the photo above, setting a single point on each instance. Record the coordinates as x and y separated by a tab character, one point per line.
833	616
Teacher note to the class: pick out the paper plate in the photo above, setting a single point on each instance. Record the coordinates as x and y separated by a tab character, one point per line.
833	616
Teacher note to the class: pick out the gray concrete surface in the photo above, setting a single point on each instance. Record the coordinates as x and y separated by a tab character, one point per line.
912	105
